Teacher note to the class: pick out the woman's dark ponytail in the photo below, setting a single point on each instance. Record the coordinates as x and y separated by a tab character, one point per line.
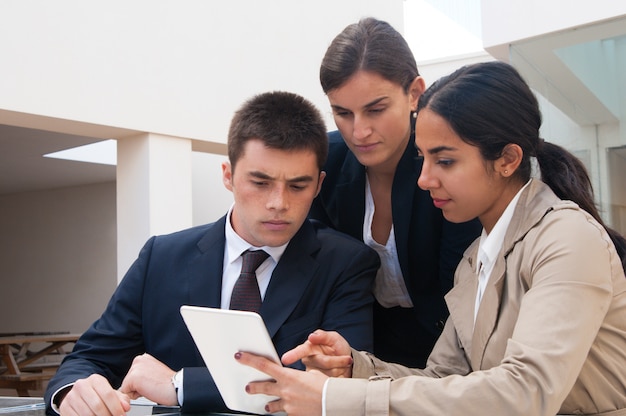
566	175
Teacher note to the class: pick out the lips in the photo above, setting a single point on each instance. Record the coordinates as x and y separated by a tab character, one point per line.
276	225
366	147
440	203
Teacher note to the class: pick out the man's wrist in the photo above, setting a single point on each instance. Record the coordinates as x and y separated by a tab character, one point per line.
177	382
58	396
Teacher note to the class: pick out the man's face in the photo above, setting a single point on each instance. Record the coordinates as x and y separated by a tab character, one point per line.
273	191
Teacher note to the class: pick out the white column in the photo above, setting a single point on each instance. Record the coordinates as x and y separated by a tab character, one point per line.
154	182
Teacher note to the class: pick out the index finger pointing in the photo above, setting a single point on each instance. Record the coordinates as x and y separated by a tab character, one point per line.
298	353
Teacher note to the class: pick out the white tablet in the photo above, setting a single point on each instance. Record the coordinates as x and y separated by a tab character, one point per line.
219	334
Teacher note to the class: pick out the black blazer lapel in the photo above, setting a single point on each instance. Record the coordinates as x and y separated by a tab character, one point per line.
290	278
350	192
402	203
205	270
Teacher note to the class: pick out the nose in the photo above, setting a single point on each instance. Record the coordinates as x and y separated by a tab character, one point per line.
426	180
361	128
278	199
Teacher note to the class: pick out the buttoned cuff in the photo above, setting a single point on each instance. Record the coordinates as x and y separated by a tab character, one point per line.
357	397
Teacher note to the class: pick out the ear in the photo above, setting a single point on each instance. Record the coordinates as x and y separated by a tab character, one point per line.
510	160
417	88
227	175
319	183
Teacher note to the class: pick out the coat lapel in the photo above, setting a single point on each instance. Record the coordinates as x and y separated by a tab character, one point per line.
533	204
350	191
205	270
488	313
290	278
462	311
402	195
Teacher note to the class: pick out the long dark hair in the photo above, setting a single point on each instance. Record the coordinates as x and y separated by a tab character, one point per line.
489	105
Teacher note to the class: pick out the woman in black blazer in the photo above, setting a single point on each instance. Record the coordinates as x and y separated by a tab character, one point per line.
370	192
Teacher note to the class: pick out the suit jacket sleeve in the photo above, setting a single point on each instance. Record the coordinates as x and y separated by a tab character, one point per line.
109	346
349	311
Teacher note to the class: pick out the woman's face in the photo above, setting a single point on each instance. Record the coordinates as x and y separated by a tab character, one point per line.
373	116
461	182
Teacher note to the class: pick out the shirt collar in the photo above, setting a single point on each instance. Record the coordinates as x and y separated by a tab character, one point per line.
490	244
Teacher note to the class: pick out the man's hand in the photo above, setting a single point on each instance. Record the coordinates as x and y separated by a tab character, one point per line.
150	378
326	352
94	396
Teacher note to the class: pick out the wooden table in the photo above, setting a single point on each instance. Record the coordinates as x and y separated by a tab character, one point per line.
22	365
20	406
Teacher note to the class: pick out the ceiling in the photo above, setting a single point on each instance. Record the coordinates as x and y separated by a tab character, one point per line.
547	62
23	167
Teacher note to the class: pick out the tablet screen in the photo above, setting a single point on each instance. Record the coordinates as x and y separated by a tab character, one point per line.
219	334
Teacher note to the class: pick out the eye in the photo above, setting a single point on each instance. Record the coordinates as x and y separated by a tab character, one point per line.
376	110
296	187
259	183
445	162
341	113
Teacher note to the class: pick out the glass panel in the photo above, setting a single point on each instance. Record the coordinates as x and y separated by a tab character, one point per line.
578	76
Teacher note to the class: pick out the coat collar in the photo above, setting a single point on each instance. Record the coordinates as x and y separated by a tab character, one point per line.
534	203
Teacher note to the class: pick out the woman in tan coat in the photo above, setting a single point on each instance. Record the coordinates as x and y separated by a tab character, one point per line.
537	320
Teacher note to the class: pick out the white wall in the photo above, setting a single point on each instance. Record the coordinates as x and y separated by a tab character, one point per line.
431	71
211	199
176	68
510	21
58	251
166	67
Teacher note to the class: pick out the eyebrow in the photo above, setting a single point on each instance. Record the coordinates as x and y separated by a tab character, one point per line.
265	176
440	149
368	105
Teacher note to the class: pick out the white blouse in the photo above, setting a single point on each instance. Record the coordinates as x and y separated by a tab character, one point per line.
389	287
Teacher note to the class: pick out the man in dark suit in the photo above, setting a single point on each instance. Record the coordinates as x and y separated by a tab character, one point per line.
314	277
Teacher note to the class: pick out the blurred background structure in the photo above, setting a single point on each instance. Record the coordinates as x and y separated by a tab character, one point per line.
153	85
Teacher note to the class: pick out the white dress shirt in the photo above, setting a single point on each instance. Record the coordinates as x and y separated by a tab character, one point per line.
489	247
235	246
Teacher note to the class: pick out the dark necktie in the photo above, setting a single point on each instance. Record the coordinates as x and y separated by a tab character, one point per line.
246	295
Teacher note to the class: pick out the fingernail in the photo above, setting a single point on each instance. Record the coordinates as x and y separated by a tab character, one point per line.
267	408
237	355
247	388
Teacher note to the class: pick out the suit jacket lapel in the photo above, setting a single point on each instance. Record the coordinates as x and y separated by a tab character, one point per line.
402	194
488	312
205	270
290	278
351	197
461	307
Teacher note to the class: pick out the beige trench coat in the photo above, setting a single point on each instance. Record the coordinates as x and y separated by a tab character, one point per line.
550	334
